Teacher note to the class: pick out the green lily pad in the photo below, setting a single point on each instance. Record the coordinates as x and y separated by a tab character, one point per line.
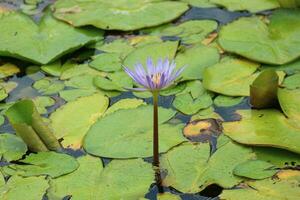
44	163
124	104
48	86
255	169
108	62
190	32
17	188
195	60
279	157
12	147
155	51
85	82
186	104
200	3
231	77
274	43
227	101
290	104
40	43
265	128
118	14
118	46
8	69
292	82
114	81
72	184
53	69
77	117
167	196
174	89
252	6
3	94
73	94
191	174
263	90
268	189
137	174
74	70
206	113
132	137
42	102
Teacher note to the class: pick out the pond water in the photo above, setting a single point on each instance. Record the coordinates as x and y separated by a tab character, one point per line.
218	95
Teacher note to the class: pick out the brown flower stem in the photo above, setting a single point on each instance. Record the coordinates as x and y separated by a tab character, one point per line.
155	130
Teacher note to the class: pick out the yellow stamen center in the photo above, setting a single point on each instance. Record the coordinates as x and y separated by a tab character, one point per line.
156	78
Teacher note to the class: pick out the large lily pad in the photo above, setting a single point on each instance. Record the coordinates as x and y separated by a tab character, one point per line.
135	173
41	43
286	187
155	51
79	184
195	60
44	163
252	6
265	128
17	188
118	14
128	133
11	147
275	43
231	77
194	172
77	117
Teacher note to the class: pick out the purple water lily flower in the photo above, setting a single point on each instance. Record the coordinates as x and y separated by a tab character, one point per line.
154	77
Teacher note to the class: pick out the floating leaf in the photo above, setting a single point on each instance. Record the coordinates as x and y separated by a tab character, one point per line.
40	43
108	62
132	137
264	128
73	94
263	90
227	101
274	43
187	105
53	69
230	77
17	188
255	169
155	51
252	6
77	117
44	163
279	157
200	3
42	102
8	69
48	86
191	174
118	46
268	189
124	104
11	147
292	82
206	113
114	81
29	125
195	60
118	14
190	32
202	130
167	196
290	104
81	183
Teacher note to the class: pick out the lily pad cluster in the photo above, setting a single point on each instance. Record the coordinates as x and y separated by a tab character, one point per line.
71	128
